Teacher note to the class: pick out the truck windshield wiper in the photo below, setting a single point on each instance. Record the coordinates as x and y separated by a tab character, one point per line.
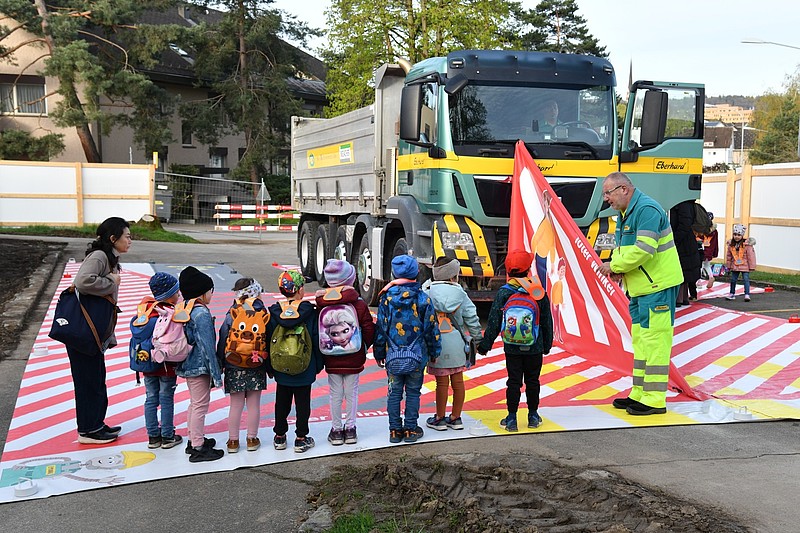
589	149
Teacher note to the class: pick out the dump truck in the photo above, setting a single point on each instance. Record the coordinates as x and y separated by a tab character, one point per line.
426	169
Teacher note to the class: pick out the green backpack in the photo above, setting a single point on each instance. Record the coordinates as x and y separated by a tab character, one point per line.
290	347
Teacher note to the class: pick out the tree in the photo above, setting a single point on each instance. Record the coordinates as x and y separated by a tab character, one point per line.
96	49
555	26
244	62
363	34
21	145
776	118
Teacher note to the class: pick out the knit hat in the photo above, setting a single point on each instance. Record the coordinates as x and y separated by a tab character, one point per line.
163	286
405	266
739	229
253	290
339	273
194	283
290	281
519	261
447	271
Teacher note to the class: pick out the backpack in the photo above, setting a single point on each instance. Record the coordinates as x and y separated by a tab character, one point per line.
521	315
169	339
702	223
339	329
406	358
141	345
290	351
246	344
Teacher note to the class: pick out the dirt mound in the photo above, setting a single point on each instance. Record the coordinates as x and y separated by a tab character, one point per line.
492	493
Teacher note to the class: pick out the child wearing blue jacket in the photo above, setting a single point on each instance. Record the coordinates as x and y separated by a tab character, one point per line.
293	313
200	369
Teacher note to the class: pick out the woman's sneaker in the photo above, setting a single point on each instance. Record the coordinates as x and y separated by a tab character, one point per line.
171	442
439	424
454	423
336	437
279	442
350	435
303	444
205	453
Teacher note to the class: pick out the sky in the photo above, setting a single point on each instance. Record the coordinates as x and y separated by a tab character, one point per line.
694	41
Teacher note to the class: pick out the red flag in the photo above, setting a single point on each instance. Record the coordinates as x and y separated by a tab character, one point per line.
590	312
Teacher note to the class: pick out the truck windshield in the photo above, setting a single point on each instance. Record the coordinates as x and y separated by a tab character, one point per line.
559	121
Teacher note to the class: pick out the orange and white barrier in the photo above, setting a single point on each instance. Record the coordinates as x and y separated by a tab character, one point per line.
252	211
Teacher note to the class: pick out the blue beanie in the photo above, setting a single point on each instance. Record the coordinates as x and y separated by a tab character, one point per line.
405	266
163	286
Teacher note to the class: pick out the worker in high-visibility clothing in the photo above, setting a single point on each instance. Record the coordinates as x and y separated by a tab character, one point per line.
647	262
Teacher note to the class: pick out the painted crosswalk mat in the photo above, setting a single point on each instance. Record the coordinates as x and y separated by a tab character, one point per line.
746	365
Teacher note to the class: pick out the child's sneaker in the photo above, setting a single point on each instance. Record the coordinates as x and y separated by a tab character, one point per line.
206	442
253	444
233	445
350	435
171	442
414	434
336	437
730	297
510	422
154	442
534	420
303	444
279	442
439	424
395	435
454	423
746	297
205	453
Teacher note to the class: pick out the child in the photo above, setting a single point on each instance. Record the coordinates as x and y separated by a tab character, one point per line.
200	369
523	362
244	378
458	322
406	319
741	258
293	314
346	332
160	385
710	251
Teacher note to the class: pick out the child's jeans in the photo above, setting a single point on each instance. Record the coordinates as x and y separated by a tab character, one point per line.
160	391
745	278
412	384
199	398
519	368
343	387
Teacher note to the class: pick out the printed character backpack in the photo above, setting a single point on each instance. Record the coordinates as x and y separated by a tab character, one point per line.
290	350
405	357
339	329
521	314
141	345
246	345
169	339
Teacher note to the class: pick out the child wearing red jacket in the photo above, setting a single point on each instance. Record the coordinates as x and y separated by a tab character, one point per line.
346	331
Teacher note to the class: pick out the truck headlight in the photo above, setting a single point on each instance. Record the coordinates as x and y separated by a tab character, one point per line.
605	241
457	241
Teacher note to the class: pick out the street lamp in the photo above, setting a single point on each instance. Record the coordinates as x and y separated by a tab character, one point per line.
761	41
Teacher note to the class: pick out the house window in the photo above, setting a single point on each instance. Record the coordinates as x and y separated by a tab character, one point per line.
22	99
186	135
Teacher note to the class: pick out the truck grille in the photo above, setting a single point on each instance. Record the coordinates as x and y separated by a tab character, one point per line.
496	197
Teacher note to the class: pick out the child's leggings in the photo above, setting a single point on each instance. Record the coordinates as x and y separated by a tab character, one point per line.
199	396
443	384
343	387
238	399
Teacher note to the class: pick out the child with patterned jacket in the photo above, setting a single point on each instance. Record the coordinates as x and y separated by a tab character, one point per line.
740	259
290	314
458	323
346	331
242	354
160	384
414	324
201	368
523	362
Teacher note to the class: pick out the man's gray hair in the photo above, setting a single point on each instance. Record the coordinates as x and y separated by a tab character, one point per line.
620	178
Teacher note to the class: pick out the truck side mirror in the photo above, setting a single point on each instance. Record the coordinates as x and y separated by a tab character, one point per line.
411	114
455	84
654	118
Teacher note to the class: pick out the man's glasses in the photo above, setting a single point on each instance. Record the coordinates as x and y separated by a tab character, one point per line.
608	193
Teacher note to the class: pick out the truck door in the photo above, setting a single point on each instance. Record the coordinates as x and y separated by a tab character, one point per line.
662	140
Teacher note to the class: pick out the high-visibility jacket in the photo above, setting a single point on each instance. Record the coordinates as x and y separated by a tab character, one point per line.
645	253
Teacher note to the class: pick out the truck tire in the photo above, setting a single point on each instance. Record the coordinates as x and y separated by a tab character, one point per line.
367	286
341	250
305	247
321	253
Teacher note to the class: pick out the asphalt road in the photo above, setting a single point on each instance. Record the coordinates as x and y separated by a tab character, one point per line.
749	470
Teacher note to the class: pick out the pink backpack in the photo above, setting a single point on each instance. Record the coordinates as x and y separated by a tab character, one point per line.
169	340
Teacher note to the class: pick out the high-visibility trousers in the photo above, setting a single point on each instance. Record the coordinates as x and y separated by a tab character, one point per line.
652	326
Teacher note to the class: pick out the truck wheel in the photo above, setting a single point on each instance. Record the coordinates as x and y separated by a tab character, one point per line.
321	253
367	286
340	248
305	247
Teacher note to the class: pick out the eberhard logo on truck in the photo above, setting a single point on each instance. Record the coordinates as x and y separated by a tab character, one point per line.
425	170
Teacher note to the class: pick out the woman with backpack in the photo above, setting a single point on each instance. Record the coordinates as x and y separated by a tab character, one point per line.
458	324
99	275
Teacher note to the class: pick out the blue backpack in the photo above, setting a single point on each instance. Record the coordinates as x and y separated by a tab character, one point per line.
521	314
141	345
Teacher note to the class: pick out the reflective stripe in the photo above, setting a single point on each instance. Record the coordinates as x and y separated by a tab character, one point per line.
666	246
666	232
638	381
646	247
639	364
657	370
645	233
655	386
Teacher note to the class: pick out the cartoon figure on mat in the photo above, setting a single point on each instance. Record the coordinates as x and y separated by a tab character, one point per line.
557	300
339	332
51	467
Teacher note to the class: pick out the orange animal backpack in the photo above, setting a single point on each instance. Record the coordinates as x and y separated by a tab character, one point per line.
246	345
